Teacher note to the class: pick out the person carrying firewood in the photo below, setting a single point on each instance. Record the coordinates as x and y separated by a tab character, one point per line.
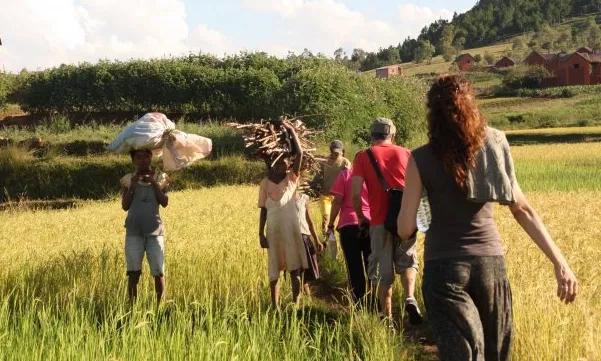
279	214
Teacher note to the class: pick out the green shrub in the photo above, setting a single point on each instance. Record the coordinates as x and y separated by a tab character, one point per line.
23	176
245	87
7	82
347	103
529	77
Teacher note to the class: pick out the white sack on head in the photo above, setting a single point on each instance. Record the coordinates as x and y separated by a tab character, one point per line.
181	149
145	133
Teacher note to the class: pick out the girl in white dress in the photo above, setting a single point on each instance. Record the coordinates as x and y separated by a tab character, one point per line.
283	239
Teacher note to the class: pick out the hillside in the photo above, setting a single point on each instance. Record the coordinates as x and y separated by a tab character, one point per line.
490	22
507	48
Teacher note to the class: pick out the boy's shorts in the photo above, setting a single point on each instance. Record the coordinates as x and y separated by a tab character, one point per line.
389	254
154	246
325	205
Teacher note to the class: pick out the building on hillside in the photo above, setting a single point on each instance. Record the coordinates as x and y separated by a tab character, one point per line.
390	71
537	59
505	62
585	50
574	69
465	62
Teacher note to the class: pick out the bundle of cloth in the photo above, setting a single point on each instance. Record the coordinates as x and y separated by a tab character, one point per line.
493	179
154	131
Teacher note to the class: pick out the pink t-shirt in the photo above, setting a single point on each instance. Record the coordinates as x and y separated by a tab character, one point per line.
342	187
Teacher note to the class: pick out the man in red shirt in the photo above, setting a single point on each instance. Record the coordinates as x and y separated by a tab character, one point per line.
388	253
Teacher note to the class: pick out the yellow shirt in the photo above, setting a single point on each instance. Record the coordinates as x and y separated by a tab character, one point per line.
331	169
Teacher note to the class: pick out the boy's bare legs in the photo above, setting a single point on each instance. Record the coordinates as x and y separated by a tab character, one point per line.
159	287
385	298
133	277
274	287
295	278
325	219
408	281
307	290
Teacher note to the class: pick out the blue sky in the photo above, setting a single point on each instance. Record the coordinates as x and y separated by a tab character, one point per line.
44	33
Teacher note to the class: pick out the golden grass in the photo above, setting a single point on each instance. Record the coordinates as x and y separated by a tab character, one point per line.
73	258
558	131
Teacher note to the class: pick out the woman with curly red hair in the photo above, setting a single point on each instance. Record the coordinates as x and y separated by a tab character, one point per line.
465	285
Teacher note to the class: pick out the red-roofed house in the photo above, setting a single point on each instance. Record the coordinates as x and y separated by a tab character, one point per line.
574	69
505	62
537	59
465	62
389	71
585	50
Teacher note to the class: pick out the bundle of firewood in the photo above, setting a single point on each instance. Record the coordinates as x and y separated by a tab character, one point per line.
271	142
312	189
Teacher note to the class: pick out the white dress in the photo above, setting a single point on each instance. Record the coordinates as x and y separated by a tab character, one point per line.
286	248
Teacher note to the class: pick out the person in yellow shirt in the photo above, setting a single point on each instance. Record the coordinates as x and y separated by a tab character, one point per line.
335	163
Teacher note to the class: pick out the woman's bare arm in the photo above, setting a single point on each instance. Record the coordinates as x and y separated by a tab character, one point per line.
406	222
298	160
530	221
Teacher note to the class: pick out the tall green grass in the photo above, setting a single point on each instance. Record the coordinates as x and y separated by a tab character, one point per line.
63	297
62	289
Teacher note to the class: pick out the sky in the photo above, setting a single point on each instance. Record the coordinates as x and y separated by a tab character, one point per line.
38	34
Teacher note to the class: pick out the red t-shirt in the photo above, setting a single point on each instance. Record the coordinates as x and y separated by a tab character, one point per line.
392	161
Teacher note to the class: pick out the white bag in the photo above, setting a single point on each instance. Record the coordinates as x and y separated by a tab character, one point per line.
181	149
145	133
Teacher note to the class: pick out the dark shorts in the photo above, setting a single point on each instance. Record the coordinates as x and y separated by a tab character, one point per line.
311	273
468	300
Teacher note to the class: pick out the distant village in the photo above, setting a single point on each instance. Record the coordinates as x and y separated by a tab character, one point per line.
582	67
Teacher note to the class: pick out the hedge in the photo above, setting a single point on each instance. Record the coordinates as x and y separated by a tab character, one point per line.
98	177
244	87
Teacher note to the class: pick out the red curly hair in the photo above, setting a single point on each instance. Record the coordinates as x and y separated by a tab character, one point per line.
456	128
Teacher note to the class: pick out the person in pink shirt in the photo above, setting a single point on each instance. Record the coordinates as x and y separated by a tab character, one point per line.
354	239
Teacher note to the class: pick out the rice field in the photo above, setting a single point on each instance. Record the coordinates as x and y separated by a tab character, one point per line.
62	280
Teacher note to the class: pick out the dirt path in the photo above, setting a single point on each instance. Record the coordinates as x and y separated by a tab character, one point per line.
334	299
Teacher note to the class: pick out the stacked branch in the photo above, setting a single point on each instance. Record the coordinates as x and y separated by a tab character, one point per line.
271	142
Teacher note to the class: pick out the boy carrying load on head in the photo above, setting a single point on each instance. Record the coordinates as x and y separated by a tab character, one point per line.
144	190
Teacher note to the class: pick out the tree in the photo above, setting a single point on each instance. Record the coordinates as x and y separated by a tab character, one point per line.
358	55
564	40
446	43
519	43
408	47
490	59
306	53
433	33
478	58
339	54
546	37
593	35
371	62
424	51
389	56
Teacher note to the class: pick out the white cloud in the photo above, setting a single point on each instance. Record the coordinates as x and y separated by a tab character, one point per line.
413	17
324	25
210	41
41	33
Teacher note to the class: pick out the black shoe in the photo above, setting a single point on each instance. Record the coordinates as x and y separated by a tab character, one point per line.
415	317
